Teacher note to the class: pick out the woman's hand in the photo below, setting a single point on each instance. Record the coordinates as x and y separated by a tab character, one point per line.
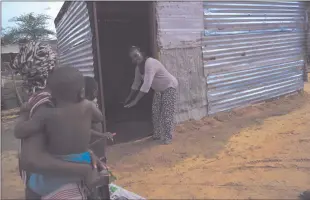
130	96
132	104
99	174
127	100
95	178
136	100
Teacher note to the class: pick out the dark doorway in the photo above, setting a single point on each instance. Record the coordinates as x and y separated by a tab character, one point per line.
120	25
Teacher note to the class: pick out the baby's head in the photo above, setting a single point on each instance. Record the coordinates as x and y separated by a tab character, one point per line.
91	88
66	84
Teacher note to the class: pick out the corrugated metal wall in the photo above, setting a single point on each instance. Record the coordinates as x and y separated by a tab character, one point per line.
74	36
252	51
308	35
180	31
180	24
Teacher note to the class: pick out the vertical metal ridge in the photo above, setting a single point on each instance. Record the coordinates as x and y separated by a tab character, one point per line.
74	38
308	37
252	51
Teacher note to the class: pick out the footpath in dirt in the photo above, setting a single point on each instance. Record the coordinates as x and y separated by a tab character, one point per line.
255	152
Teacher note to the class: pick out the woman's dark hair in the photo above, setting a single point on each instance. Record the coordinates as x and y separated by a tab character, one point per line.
91	86
134	48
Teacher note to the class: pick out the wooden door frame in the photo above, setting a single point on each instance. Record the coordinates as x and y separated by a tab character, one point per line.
92	7
153	29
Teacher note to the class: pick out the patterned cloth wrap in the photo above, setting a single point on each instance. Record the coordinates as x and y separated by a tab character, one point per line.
34	62
48	188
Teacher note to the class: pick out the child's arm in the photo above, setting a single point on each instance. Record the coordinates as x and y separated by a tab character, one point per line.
25	128
97	115
96	127
96	130
106	134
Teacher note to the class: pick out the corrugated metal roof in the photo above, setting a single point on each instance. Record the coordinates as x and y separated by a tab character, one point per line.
74	47
252	51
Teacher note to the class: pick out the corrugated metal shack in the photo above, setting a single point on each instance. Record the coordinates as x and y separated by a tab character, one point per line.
224	54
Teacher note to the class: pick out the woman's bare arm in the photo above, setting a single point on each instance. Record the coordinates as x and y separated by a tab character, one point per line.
137	81
27	127
35	159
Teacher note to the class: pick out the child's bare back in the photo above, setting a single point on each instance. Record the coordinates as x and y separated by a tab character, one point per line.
68	127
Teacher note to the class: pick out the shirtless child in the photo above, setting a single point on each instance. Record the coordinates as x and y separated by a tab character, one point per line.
98	143
91	93
67	126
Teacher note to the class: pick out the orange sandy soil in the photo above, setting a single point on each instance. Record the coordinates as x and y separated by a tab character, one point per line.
257	152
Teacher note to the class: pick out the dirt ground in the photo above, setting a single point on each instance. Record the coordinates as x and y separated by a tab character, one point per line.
251	153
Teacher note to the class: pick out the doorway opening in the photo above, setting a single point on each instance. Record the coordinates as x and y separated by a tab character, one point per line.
121	25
